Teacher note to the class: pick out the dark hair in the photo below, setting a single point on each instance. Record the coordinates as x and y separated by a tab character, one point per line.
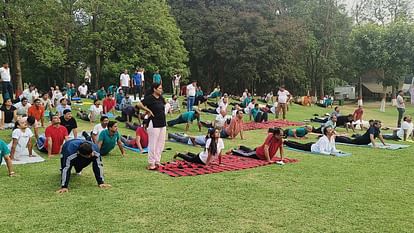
5	100
96	100
103	118
212	149
60	101
336	107
325	130
111	124
405	118
85	149
109	94
23	99
31	120
145	122
275	131
36	100
150	91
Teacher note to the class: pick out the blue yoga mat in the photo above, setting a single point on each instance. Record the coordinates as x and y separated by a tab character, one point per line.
145	150
380	146
308	152
109	115
76	98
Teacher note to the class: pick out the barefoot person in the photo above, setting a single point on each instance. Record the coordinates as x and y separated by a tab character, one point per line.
80	153
214	145
272	143
154	104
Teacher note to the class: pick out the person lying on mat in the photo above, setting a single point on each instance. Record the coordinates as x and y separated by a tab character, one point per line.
5	153
213	148
272	143
234	128
187	117
369	137
219	123
141	137
297	133
330	123
108	138
404	132
190	140
80	153
325	144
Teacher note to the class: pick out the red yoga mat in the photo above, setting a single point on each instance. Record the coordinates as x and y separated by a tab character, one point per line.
270	124
228	163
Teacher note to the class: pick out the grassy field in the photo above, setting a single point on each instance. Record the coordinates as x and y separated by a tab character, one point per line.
370	191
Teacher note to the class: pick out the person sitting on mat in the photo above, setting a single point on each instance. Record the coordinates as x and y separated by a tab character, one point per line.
369	136
300	132
213	148
258	115
80	153
186	117
5	153
325	145
272	143
234	128
141	137
404	132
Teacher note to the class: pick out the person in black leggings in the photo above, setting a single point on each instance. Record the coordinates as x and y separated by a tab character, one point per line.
369	137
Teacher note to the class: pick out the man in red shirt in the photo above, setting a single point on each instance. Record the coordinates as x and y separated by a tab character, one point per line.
56	135
109	104
358	116
141	139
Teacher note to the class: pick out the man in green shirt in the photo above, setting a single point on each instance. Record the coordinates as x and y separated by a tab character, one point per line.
300	132
5	153
156	78
186	117
109	138
101	93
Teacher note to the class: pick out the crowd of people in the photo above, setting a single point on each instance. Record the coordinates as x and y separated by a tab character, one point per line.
30	111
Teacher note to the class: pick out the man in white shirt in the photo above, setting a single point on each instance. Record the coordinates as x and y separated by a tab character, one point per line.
83	90
29	93
220	120
400	107
191	91
222	105
97	129
176	84
22	107
5	79
282	98
406	129
125	81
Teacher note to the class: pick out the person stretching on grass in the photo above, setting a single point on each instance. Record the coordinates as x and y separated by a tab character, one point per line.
187	117
234	128
214	145
80	153
297	133
5	153
325	145
272	143
369	136
141	139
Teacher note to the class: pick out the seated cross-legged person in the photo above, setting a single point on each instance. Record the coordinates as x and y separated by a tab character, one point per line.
8	115
272	143
213	148
69	123
325	144
369	137
141	137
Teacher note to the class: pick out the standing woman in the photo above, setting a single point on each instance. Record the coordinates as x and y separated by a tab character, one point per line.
154	104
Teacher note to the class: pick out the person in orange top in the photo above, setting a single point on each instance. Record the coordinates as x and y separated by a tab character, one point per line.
37	111
234	128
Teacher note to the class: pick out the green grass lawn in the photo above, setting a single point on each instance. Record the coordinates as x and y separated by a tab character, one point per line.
370	191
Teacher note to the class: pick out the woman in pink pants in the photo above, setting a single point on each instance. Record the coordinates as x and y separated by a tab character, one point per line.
154	104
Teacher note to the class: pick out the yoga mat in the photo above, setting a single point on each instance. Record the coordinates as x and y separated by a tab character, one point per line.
174	141
25	159
270	124
380	146
309	152
109	115
228	163
75	98
145	150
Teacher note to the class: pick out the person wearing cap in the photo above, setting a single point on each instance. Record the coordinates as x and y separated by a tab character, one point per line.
69	122
79	153
56	135
187	117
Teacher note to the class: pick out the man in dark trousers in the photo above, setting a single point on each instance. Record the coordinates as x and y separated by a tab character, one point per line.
80	153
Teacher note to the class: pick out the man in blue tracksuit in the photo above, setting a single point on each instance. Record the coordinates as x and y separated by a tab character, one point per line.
80	153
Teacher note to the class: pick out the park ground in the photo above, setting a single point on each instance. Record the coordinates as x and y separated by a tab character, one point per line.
370	191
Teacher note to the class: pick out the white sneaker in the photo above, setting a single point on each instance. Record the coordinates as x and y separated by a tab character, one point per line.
280	162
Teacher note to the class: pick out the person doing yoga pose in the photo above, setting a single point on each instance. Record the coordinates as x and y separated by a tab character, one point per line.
369	137
325	144
214	145
272	143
